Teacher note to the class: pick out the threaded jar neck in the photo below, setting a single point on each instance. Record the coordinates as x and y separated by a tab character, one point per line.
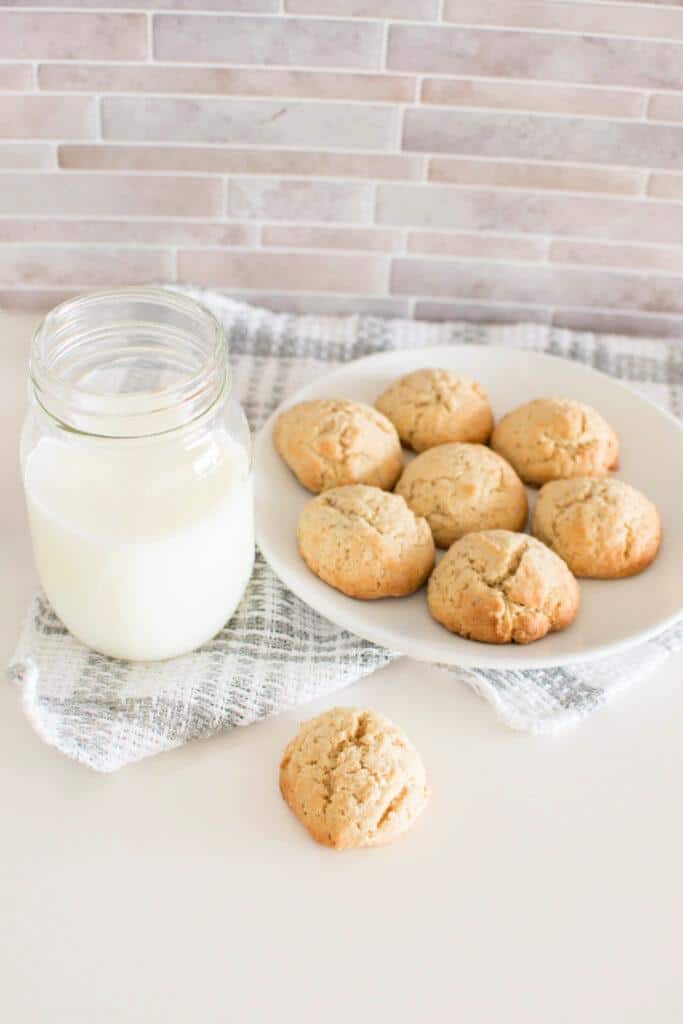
132	362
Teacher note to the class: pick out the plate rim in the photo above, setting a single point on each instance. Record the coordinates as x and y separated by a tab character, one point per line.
373	633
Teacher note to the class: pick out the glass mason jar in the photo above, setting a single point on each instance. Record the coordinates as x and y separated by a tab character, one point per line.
137	472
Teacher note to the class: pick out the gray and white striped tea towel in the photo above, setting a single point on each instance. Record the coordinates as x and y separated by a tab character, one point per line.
276	652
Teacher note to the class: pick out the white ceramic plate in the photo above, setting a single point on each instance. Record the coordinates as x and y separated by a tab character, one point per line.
613	615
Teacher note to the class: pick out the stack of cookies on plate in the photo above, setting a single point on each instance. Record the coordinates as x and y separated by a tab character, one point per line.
374	528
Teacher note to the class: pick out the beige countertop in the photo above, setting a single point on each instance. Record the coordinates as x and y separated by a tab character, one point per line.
541	885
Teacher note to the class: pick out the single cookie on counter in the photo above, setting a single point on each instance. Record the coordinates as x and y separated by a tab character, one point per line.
430	407
460	488
601	528
365	542
331	442
501	587
555	439
353	779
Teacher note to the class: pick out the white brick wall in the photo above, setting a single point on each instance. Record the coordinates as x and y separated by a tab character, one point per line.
501	160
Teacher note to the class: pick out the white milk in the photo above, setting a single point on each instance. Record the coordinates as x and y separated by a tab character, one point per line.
144	550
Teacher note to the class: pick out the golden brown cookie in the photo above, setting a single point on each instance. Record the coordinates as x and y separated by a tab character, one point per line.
501	587
460	488
331	442
601	528
430	407
353	779
365	542
556	439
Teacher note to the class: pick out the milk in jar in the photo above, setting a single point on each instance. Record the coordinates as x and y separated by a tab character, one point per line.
137	474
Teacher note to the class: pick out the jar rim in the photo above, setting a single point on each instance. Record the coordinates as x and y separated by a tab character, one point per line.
105	335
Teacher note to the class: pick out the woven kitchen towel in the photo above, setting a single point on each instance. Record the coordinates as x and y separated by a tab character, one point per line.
276	652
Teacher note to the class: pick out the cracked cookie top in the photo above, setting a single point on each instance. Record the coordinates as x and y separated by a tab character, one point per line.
601	528
460	488
353	778
331	442
365	542
554	439
501	587
431	406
